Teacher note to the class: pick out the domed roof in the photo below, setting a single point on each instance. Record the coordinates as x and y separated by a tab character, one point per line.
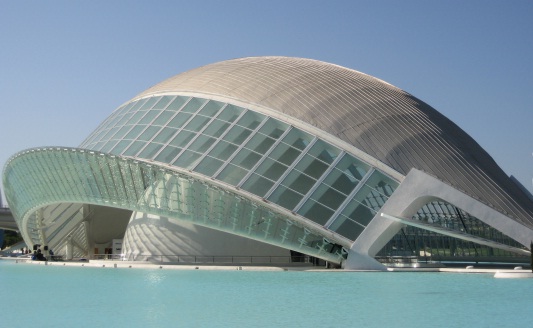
383	121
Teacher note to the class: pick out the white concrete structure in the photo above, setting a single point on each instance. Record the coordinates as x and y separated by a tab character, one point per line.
263	156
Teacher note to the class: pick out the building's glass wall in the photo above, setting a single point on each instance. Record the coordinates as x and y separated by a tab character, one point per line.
259	154
412	241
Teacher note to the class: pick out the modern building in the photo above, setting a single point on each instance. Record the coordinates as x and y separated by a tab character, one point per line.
269	158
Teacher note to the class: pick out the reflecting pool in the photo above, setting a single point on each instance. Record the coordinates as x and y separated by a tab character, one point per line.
53	296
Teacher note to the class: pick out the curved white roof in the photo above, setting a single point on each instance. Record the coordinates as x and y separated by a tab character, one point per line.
387	123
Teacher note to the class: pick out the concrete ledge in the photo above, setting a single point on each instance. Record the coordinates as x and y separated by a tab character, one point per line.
513	274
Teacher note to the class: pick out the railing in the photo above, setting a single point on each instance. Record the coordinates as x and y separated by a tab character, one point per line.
200	259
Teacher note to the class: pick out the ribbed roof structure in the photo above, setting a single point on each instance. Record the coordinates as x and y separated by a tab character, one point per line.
379	119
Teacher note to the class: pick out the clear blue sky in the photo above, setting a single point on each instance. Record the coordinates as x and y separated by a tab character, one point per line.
66	65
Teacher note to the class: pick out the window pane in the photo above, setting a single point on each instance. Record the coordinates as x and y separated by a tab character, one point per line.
297	139
179	120
167	154
182	139
163	118
271	169
298	182
163	102
208	166
150	150
346	227
135	118
186	159
223	150
120	146
251	120
216	128
193	105
177	103
325	152
284	154
230	113
149	116
120	134
246	158
358	213
134	133
311	166
149	133
260	143
232	174
273	128
328	196
165	135
237	135
149	103
316	212
134	148
201	144
197	123
285	197
257	185
211	108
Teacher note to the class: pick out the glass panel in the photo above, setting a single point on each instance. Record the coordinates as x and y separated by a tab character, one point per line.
201	144
273	128
298	182
165	135
285	197
134	148
179	120
328	196
271	169
312	167
216	128
325	152
260	143
251	120
211	108
232	174
163	102
284	154
186	159
150	151
223	150
163	118
257	185
246	158
197	123
346	227
193	105
135	118
137	105
149	133
237	135
120	146
182	139
167	154
149	103
177	103
134	133
230	113
108	146
358	213
297	139
316	212
208	166
380	182
121	132
149	116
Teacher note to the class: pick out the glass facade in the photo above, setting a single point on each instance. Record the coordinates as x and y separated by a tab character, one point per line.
72	177
412	241
262	155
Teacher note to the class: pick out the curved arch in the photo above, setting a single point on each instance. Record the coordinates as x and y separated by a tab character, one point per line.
69	175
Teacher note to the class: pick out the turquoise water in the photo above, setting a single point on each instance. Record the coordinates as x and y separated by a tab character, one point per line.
48	296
